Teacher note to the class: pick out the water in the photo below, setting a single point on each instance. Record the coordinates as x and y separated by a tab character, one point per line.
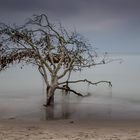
22	94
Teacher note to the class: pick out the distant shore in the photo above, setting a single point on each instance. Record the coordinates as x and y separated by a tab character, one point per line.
13	129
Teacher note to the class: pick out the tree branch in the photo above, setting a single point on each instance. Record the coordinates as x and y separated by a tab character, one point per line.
68	89
85	80
68	69
42	71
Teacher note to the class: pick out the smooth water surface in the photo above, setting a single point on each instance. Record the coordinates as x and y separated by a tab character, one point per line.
22	93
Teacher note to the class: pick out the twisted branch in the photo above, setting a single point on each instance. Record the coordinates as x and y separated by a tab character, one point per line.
71	90
85	80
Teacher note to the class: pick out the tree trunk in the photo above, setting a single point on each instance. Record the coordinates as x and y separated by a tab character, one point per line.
50	90
50	96
50	102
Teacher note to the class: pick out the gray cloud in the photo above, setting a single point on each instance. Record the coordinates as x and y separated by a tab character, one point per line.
88	9
58	7
105	20
64	7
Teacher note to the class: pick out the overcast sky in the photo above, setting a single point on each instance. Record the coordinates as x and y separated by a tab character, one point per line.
110	25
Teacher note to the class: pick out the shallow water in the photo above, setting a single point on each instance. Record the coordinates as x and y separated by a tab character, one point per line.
22	93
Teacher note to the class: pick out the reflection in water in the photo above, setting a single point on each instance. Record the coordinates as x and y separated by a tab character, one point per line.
73	107
49	113
59	110
65	103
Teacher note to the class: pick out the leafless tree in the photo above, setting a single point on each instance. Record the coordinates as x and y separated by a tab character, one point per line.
53	50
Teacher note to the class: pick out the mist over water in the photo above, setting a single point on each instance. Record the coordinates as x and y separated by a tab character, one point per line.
22	93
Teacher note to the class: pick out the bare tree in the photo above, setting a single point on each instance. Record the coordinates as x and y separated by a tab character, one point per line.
54	51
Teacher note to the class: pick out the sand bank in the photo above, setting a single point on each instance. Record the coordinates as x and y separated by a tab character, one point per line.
69	130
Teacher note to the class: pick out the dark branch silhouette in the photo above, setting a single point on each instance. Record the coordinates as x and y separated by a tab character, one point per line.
55	52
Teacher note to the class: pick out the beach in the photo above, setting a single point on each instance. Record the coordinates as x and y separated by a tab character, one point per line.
12	129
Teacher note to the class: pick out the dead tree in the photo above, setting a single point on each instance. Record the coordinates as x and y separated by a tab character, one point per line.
51	49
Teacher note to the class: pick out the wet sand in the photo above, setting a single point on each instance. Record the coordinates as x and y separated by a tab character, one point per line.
13	129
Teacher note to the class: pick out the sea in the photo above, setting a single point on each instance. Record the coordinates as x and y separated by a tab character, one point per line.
22	92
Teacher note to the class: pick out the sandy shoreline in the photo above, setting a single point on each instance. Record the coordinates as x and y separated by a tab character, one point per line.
70	130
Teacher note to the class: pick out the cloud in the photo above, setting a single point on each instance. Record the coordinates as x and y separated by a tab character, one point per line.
70	7
106	18
87	10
